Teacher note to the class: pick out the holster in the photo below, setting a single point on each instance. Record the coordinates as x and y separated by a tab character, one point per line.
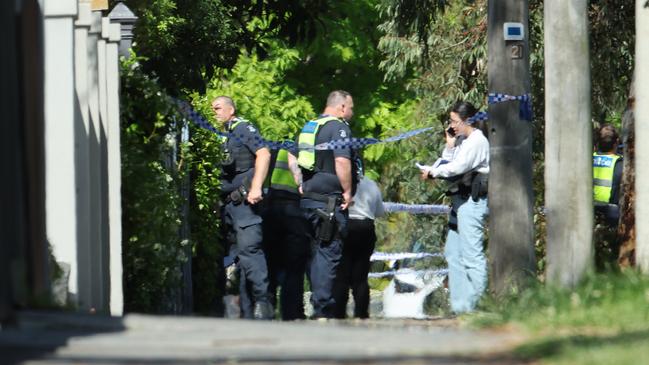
327	224
479	186
239	195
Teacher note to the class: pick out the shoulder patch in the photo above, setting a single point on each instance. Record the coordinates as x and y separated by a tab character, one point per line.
309	127
251	128
342	133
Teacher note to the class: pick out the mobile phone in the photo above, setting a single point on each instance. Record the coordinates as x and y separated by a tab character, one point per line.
450	131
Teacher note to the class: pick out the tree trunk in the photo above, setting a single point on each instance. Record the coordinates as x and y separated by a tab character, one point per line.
641	115
626	229
568	142
511	198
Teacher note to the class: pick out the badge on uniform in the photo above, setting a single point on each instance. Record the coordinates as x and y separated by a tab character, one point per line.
252	129
343	134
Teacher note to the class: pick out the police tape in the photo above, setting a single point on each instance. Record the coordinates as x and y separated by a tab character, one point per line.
438	272
390	207
355	143
525	107
525	113
385	256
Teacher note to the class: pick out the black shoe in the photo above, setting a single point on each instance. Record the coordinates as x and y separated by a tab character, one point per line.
263	310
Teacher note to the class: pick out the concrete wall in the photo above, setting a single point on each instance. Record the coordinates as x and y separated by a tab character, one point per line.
60	168
82	149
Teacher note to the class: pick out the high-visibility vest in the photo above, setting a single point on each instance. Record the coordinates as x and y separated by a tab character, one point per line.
603	169
282	178
306	142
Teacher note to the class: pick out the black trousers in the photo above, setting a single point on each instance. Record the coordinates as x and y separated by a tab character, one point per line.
325	257
287	248
354	267
242	225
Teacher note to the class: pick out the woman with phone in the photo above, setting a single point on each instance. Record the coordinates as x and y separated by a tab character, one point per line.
467	164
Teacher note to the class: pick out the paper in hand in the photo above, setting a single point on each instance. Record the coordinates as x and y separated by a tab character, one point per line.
423	167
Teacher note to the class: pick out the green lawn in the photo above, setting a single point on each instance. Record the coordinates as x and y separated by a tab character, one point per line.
603	321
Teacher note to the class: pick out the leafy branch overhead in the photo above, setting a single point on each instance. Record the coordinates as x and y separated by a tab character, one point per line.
184	41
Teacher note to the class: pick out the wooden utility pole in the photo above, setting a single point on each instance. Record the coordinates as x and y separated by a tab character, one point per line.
642	133
568	142
511	199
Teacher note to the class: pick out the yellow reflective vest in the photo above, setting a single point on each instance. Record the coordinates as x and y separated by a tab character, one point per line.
282	178
603	169
306	142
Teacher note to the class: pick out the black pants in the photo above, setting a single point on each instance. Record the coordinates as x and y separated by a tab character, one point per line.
243	228
324	259
354	267
287	247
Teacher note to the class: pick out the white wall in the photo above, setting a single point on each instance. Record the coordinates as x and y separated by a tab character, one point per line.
60	183
82	152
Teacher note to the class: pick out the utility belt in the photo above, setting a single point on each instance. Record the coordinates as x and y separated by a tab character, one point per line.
327	225
473	184
240	194
324	198
283	197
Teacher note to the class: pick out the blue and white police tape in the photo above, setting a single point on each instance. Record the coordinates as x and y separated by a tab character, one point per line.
525	108
354	143
357	143
390	207
478	117
386	256
438	272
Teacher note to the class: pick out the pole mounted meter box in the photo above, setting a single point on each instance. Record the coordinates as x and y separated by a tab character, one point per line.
513	31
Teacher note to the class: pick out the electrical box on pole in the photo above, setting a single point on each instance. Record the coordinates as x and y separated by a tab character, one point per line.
511	199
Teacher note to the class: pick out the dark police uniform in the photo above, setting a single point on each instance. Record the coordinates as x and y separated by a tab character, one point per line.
242	221
321	183
285	238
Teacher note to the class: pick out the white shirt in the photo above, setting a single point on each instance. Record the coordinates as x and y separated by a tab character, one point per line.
368	201
471	154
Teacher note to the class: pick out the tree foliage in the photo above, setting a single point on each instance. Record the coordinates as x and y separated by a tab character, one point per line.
152	249
446	60
405	63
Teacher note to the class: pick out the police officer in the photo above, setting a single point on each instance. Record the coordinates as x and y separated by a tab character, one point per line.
285	235
607	174
326	193
244	171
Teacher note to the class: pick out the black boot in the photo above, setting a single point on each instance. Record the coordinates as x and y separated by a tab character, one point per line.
263	310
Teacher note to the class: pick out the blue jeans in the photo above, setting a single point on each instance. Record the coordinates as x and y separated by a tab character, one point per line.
467	263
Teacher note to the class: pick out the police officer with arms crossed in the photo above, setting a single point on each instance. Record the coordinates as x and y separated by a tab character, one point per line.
244	172
326	194
467	163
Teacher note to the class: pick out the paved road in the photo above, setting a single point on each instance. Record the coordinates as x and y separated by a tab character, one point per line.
59	338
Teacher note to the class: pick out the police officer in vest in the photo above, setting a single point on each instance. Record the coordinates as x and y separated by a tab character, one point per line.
327	191
607	174
285	235
244	172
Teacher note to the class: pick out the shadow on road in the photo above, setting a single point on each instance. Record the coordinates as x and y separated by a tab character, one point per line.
38	335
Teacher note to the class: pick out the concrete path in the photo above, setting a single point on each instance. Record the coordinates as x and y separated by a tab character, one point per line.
61	338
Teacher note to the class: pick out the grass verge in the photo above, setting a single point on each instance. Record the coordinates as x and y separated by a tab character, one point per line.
605	320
